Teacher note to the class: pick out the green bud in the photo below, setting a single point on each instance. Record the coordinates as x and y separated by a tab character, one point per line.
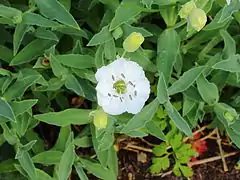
231	115
100	119
197	19
133	42
187	9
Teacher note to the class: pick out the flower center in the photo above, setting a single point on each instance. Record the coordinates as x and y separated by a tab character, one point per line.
120	86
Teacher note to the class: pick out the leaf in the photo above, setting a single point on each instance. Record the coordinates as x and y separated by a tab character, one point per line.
181	124
228	10
188	104
128	29
5	54
72	31
187	171
18	35
27	164
64	168
98	170
185	81
43	33
38	20
48	157
234	136
139	120
66	117
77	61
6	110
62	138
168	48
20	86
56	11
229	44
58	70
31	51
110	50
208	91
99	57
160	149
80	172
41	175
83	142
10	12
162	93
124	12
154	130
113	161
20	107
100	38
232	64
73	84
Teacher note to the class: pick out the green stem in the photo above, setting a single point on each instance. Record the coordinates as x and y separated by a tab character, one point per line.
124	53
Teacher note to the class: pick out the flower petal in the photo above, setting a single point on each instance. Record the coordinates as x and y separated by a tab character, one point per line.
114	107
133	71
104	73
134	106
143	88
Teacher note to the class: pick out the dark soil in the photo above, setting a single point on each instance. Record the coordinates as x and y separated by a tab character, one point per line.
131	169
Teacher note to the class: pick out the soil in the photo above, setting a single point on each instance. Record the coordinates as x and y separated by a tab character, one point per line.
131	169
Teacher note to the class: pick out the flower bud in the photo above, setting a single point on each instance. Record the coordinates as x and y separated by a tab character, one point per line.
197	19
100	119
187	9
133	42
17	19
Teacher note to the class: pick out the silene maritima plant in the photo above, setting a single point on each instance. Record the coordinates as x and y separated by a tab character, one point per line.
83	81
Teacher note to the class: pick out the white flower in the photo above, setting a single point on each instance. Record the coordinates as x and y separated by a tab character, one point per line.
122	87
228	1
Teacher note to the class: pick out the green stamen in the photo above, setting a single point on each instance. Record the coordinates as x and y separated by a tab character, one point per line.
120	86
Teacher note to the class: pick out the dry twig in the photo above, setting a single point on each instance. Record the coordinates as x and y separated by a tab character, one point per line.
225	168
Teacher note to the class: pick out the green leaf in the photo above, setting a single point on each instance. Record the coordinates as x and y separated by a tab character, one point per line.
72	83
64	168
83	142
229	44
5	54
10	12
48	157
9	135
124	12
160	149
185	81
234	136
98	170
18	35
187	171
177	119
128	29
232	64
27	164
113	161
20	86
62	138
154	130
100	38
188	104
99	57
58	70
76	60
31	51
228	10
140	119
43	33
6	110
56	11
72	31
38	20
20	107
168	48
80	171
110	50
208	91
162	93
41	175
176	141
66	117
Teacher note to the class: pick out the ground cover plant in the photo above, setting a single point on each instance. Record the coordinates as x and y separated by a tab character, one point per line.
82	81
